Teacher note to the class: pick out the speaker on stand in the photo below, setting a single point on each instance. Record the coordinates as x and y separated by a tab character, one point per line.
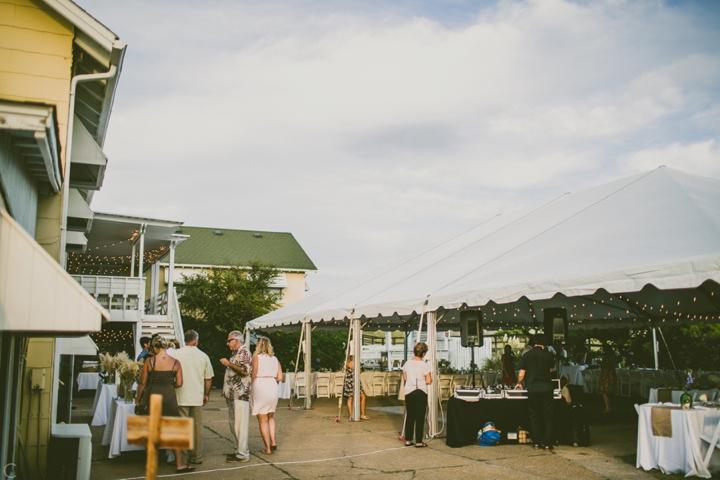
555	326
471	334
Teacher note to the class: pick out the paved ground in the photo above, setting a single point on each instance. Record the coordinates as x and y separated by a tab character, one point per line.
312	445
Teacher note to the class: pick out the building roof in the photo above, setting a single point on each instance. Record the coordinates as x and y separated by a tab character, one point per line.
223	247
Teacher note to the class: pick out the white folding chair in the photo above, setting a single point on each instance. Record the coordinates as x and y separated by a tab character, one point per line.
445	384
322	385
713	443
624	385
300	385
378	384
338	384
393	383
459	381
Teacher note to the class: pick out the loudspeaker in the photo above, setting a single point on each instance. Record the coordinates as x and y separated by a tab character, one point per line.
555	324
471	332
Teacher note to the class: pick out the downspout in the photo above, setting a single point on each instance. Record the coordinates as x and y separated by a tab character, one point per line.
77	79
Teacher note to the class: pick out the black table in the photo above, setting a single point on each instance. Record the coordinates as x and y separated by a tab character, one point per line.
464	419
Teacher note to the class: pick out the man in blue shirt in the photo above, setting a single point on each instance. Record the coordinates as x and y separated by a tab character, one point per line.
535	368
145	342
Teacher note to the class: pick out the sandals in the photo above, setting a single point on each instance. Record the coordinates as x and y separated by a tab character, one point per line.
187	469
365	417
273	448
409	444
421	445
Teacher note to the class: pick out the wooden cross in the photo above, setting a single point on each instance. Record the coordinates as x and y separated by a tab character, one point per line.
156	431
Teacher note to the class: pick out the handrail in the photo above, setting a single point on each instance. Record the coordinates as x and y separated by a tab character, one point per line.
173	310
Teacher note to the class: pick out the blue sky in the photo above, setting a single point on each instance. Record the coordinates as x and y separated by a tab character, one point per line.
373	130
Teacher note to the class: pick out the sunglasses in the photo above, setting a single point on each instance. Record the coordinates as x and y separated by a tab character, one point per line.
231	340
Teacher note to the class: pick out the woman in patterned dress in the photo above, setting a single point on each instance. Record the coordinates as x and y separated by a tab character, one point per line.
349	390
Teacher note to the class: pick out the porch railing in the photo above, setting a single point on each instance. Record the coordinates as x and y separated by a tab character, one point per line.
121	296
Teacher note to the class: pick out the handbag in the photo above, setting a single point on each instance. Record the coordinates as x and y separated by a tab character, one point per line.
142	408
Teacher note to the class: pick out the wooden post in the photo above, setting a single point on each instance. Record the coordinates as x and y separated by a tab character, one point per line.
156	431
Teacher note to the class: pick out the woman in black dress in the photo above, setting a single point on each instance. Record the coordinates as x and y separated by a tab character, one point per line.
161	375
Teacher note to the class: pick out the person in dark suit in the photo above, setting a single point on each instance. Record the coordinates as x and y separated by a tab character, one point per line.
535	370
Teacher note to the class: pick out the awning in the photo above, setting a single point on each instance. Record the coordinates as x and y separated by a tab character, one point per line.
34	133
79	215
77	346
36	295
88	164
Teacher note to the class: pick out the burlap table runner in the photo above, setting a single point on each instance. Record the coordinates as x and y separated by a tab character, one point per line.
661	421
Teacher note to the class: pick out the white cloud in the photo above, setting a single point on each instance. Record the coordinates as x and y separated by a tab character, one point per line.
700	158
372	131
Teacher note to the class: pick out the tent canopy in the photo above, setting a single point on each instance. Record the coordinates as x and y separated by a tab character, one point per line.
643	250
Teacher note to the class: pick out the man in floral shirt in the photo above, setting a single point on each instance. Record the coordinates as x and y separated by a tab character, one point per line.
236	390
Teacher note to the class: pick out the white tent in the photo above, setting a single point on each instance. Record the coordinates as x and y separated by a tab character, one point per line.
644	250
641	249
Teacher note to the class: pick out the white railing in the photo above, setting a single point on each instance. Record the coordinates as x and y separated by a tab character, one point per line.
157	305
173	311
123	297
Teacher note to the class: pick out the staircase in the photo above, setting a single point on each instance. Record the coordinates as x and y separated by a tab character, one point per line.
168	325
158	324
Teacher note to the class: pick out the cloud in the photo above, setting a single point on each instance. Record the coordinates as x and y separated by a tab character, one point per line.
373	129
700	158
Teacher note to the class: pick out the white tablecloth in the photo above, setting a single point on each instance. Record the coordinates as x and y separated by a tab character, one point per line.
685	450
116	429
104	396
712	395
575	372
88	380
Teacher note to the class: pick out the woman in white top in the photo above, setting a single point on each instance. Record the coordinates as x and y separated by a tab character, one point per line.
266	373
417	376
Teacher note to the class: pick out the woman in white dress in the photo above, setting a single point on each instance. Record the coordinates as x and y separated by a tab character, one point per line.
266	373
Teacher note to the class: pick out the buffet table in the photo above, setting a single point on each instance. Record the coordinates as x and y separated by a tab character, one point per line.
115	434
656	393
88	380
104	397
464	419
685	450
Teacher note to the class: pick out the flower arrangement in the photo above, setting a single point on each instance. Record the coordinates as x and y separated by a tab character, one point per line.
130	371
703	399
107	367
690	380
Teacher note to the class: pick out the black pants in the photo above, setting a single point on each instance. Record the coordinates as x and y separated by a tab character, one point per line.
415	406
540	406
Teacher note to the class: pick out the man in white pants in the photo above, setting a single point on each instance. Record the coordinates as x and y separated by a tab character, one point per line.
236	390
195	392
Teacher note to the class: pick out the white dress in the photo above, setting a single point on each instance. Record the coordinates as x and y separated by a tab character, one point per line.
264	391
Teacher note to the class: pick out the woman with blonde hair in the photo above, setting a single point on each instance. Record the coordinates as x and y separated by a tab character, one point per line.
266	373
162	374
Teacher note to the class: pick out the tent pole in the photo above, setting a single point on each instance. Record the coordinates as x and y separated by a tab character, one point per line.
357	362
655	348
308	365
432	388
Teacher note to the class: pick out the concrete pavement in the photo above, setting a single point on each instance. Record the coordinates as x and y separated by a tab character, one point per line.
312	445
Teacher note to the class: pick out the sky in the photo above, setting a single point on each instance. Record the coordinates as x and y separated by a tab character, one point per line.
373	130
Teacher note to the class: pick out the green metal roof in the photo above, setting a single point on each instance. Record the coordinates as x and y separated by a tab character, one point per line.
224	247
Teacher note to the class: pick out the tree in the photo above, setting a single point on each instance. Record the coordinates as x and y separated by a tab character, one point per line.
221	300
328	347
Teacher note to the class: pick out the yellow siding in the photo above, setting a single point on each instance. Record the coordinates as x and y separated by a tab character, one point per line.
36	66
36	405
295	290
